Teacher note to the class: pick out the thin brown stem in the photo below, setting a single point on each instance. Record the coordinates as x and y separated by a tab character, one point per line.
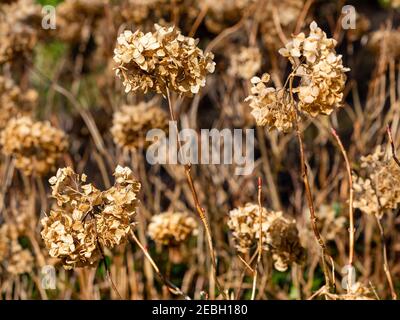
304	174
385	260
200	210
171	287
259	247
351	196
394	155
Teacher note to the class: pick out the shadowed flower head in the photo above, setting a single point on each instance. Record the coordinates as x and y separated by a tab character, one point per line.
270	107
36	146
132	122
376	187
279	235
172	228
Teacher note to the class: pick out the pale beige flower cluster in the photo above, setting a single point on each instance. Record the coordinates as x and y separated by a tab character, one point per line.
284	12
245	63
271	107
279	235
377	189
13	257
386	42
358	292
146	12
164	59
75	16
36	145
86	219
132	122
172	228
320	69
14	101
395	3
17	36
329	223
223	13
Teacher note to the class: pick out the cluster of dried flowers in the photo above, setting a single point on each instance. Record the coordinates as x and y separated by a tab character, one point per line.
278	234
320	69
13	257
377	189
358	291
271	107
15	102
386	42
223	13
72	14
329	222
322	79
18	36
132	122
245	63
276	17
36	145
172	228
86	220
162	60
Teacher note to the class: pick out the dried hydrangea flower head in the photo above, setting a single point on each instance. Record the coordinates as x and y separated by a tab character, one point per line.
172	228
329	223
358	291
18	37
279	235
13	257
146	12
321	72
14	101
86	218
224	13
132	122
271	107
287	13
245	63
387	41
377	189
164	59
36	146
395	4
75	16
